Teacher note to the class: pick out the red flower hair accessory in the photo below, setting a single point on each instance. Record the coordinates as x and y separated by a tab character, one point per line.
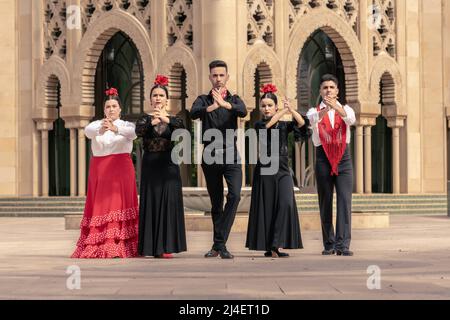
162	80
269	88
112	92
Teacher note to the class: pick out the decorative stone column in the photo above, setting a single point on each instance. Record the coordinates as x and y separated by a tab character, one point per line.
368	159
198	151
81	162
395	124
359	164
241	146
73	162
44	162
77	118
302	164
44	118
298	163
44	127
367	122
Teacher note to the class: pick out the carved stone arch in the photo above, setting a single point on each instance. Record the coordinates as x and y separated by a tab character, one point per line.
386	72
259	55
182	54
347	43
52	74
54	70
92	45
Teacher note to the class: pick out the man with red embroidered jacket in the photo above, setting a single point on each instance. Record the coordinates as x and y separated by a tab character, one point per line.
331	123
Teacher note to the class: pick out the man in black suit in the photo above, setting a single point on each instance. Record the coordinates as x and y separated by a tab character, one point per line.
220	110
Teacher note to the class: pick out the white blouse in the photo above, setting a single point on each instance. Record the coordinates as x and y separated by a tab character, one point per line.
313	116
109	142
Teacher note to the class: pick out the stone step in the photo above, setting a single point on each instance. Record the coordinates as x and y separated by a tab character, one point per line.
43	214
43	204
365	201
299	201
387	206
43	199
41	209
305	196
59	214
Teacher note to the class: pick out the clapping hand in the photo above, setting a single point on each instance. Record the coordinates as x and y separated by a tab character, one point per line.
107	124
217	95
156	116
330	101
287	105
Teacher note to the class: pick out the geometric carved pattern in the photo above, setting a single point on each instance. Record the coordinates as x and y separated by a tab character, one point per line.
177	83
179	22
384	33
260	24
92	9
54	28
348	9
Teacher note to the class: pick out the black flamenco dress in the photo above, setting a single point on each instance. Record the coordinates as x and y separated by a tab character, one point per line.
161	210
273	217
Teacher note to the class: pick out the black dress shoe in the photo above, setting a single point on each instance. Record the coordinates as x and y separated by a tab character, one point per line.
345	253
225	254
328	252
212	254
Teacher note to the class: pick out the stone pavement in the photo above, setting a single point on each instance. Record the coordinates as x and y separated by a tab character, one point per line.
413	256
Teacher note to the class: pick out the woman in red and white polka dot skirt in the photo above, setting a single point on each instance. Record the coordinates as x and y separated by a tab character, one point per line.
109	228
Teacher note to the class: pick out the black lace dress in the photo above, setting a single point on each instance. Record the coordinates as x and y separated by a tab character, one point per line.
161	210
273	217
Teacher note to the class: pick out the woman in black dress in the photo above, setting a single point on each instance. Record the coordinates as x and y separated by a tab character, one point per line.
273	218
161	219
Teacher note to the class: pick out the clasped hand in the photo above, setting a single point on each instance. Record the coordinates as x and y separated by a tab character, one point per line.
330	102
287	106
107	124
218	99
158	116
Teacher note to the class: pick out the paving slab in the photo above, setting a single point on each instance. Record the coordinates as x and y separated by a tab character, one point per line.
412	257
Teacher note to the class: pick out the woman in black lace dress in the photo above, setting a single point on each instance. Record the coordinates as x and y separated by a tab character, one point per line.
161	211
273	218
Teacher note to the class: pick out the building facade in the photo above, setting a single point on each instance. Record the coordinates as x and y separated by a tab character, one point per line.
392	58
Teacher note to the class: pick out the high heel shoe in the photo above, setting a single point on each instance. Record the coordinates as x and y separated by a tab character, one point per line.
275	253
268	254
164	256
280	254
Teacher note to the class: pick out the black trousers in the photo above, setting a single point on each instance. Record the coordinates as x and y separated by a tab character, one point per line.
343	183
223	218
